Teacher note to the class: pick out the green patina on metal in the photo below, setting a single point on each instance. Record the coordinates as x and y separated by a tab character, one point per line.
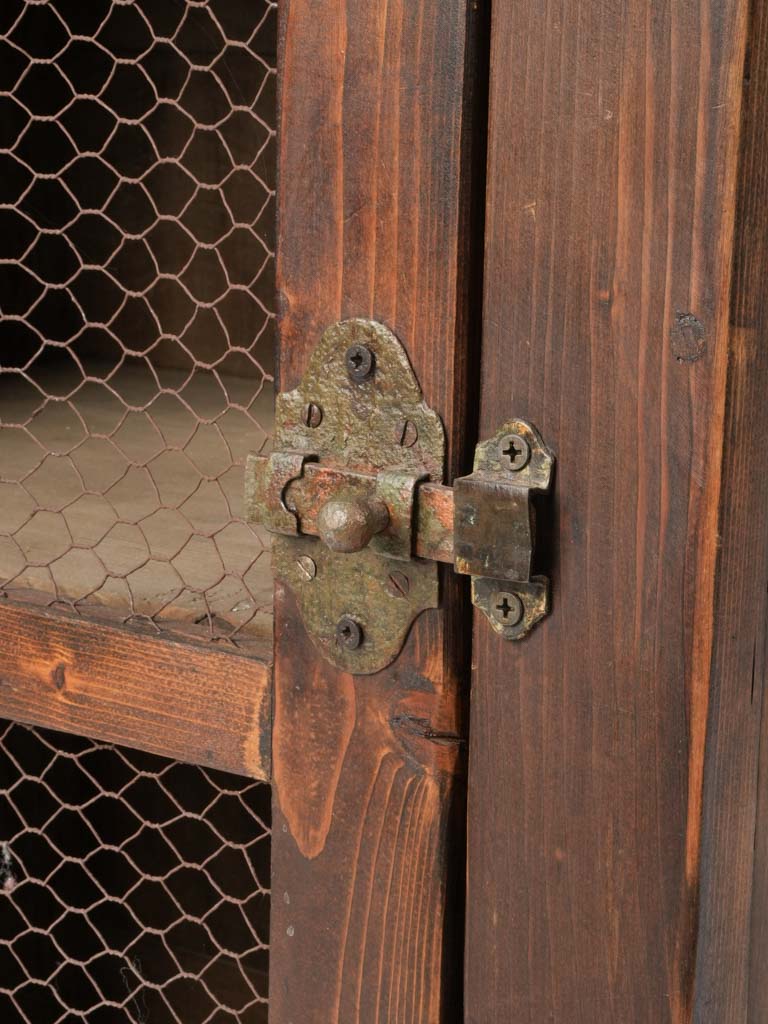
360	424
360	415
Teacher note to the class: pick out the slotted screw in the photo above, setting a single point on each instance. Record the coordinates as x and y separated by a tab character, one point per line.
307	567
398	584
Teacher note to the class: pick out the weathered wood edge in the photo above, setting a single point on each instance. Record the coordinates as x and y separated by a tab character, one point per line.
731	982
148	692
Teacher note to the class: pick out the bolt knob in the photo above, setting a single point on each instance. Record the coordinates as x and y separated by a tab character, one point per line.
348	526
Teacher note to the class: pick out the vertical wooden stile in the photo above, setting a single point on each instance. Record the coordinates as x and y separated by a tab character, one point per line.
375	219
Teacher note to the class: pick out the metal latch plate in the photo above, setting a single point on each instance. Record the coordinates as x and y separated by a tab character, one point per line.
357	607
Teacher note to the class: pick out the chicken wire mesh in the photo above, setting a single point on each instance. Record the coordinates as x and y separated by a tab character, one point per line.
132	888
137	155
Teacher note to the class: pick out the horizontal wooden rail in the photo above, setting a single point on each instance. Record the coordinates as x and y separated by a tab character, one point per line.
149	692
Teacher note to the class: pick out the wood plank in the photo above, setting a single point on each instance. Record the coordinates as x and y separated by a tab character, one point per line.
613	771
732	944
184	701
375	219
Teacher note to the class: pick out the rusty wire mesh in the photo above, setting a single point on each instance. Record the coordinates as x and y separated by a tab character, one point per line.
132	888
137	158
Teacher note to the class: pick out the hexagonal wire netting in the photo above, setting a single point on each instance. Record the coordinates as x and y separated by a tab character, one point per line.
137	160
137	157
132	888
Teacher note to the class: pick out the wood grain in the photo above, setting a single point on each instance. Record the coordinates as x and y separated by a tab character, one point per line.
375	219
732	944
180	700
613	770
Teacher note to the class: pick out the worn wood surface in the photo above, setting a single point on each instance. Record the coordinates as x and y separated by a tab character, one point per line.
183	701
374	220
732	945
613	768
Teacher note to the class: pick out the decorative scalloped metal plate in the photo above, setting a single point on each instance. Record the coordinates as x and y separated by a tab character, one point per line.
359	426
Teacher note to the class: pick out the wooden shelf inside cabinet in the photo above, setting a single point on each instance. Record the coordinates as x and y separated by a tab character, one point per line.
138	528
129	494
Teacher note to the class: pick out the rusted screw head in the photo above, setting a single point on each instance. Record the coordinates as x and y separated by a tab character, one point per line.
515	452
349	633
307	567
406	433
360	362
313	415
507	608
398	584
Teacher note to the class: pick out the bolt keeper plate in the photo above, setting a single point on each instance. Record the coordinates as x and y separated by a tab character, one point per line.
495	527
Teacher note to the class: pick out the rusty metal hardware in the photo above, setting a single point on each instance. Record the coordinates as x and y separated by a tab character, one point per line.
352	494
357	413
494	532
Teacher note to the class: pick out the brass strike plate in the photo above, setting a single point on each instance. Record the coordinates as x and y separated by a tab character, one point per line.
359	408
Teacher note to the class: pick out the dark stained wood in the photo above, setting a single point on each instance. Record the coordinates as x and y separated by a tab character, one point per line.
374	220
180	700
613	767
732	947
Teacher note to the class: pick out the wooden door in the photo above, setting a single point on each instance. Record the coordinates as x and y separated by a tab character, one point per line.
145	704
616	790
